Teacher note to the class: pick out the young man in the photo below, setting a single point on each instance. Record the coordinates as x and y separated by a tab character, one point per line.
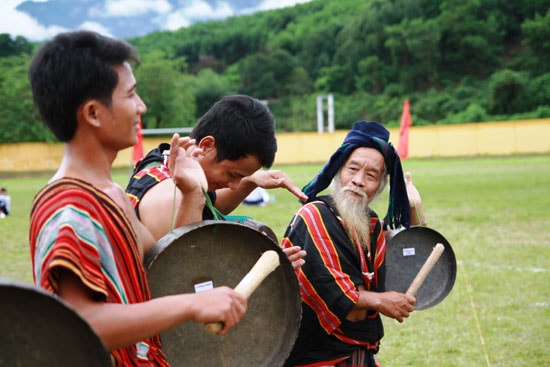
237	138
86	242
259	196
342	280
5	203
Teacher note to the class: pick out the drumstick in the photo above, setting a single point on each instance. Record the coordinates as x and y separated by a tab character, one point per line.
263	267
426	268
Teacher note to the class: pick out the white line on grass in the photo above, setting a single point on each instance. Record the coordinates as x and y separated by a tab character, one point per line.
504	267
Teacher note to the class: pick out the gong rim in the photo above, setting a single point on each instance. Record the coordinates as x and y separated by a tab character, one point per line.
406	252
40	329
223	252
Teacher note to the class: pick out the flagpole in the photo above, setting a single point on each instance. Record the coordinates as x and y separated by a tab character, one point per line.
404	128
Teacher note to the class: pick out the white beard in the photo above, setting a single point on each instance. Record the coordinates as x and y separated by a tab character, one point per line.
354	211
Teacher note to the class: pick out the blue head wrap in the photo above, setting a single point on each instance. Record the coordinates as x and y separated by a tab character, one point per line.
368	134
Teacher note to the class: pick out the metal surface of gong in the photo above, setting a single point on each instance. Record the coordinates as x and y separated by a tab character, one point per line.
223	253
406	253
38	329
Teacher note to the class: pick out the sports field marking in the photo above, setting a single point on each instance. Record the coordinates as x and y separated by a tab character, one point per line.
503	267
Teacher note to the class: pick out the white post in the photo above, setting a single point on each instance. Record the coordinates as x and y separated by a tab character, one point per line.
320	114
330	103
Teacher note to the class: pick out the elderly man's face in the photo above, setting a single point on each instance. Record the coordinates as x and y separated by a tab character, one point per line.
362	173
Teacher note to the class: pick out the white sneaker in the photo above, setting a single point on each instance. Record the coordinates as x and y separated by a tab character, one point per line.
2	215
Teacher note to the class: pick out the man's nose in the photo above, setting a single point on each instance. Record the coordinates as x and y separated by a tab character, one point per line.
142	107
358	179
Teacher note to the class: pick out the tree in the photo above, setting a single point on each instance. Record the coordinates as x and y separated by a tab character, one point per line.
264	75
19	120
471	40
209	87
12	47
414	49
168	94
507	91
537	37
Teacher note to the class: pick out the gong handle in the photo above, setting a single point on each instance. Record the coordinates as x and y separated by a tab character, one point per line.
426	268
268	262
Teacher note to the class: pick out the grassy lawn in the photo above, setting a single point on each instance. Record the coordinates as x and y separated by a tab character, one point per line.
494	213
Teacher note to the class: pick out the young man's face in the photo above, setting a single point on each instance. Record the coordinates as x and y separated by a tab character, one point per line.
362	172
226	173
122	118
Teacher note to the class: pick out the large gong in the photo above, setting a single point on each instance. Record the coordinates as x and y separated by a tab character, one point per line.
39	329
221	254
406	253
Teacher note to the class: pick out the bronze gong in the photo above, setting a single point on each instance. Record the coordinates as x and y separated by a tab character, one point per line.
39	329
406	252
222	253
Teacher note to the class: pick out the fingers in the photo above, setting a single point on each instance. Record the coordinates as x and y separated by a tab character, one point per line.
235	313
278	179
406	307
411	300
221	304
186	142
173	152
296	191
296	256
397	305
185	147
408	177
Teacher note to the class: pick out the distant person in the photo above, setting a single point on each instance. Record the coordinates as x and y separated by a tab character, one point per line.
259	196
87	245
5	203
342	280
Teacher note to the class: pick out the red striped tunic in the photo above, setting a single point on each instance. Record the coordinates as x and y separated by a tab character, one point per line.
334	269
77	227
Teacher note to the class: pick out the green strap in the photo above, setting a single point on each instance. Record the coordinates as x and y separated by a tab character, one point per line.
217	214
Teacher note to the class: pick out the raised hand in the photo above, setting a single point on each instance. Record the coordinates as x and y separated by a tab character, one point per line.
415	202
273	179
184	166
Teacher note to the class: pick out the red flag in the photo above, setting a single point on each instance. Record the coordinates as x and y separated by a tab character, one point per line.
406	123
137	151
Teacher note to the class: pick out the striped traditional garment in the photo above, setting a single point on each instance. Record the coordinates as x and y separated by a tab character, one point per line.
77	227
334	269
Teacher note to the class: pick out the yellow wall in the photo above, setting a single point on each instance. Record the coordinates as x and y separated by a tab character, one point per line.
498	138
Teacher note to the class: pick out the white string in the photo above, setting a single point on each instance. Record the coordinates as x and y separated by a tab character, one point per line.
470	295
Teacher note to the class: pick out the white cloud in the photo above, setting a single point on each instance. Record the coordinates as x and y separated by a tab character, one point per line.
198	9
129	8
96	27
277	4
17	23
174	22
195	10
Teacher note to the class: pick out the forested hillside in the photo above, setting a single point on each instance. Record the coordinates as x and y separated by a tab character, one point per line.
456	61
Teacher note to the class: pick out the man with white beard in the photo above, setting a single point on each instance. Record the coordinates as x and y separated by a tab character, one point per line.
342	280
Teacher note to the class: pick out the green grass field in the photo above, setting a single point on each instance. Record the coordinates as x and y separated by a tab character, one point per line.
493	211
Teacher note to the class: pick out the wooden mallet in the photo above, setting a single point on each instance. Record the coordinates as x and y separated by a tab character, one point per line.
425	269
268	262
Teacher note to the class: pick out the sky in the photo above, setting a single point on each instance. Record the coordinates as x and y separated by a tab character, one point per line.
166	15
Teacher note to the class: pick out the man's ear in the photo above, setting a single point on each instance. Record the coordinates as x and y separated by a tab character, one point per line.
90	112
207	143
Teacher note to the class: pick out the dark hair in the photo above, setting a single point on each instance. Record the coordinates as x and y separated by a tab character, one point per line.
242	126
72	68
